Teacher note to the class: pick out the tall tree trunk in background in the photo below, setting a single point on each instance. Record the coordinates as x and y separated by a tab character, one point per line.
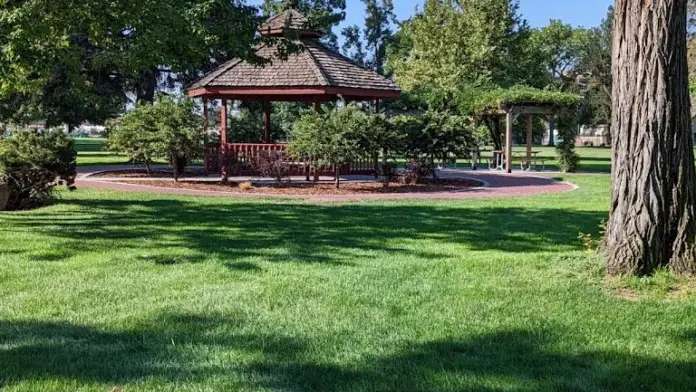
552	129
146	86
494	129
652	220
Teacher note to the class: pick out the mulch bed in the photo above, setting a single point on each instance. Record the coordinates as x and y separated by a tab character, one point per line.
323	188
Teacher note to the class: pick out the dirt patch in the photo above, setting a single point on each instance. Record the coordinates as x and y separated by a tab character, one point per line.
683	290
305	189
627	294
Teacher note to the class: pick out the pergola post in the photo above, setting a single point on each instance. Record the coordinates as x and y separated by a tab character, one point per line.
530	129
205	136
508	141
317	106
267	121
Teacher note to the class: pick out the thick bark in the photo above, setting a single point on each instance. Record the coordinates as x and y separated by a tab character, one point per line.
651	223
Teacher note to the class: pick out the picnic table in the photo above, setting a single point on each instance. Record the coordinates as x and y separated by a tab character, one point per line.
497	162
474	157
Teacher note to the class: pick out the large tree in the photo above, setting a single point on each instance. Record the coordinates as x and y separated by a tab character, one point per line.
559	44
653	211
558	47
82	50
458	43
377	33
595	64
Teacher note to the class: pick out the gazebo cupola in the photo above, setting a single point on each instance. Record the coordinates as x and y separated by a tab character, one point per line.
288	24
313	74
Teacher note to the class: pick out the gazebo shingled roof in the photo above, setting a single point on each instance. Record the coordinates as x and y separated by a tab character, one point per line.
315	73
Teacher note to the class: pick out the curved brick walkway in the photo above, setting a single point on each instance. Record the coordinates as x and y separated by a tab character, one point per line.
498	184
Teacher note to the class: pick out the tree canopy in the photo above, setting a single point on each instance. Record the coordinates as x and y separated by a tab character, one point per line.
459	43
93	54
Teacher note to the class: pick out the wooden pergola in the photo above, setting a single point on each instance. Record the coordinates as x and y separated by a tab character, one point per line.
315	74
511	112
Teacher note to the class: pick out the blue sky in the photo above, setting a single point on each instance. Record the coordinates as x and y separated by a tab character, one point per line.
585	13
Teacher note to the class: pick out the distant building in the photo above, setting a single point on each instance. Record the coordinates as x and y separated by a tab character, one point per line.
594	136
84	130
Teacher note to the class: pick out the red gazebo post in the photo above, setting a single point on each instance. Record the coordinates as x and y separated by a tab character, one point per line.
376	157
223	140
205	135
267	121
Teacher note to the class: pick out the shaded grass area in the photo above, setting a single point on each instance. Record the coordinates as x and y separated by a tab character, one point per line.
187	294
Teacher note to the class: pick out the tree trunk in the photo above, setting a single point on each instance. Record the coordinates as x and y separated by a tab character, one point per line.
175	164
146	86
552	129
495	132
651	222
338	177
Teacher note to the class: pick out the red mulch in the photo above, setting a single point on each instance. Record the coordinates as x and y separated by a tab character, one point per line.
301	189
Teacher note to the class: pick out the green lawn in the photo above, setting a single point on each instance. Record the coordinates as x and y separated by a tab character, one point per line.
592	159
91	151
160	293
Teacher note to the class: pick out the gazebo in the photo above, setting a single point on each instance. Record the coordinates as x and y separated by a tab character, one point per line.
314	74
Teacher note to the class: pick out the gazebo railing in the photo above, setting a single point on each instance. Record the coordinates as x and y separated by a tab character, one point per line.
240	159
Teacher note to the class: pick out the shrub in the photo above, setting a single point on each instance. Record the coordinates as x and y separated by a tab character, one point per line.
568	159
31	165
169	130
331	139
435	136
416	169
387	173
272	164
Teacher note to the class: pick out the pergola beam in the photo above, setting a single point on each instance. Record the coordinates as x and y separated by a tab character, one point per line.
522	109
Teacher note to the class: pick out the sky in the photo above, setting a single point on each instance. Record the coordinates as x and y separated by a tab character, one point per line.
586	13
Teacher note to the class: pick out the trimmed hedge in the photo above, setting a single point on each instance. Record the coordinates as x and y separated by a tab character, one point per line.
31	165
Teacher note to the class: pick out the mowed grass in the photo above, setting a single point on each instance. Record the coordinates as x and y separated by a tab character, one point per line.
161	293
92	152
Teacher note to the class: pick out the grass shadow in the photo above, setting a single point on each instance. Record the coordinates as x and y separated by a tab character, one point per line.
507	360
282	232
